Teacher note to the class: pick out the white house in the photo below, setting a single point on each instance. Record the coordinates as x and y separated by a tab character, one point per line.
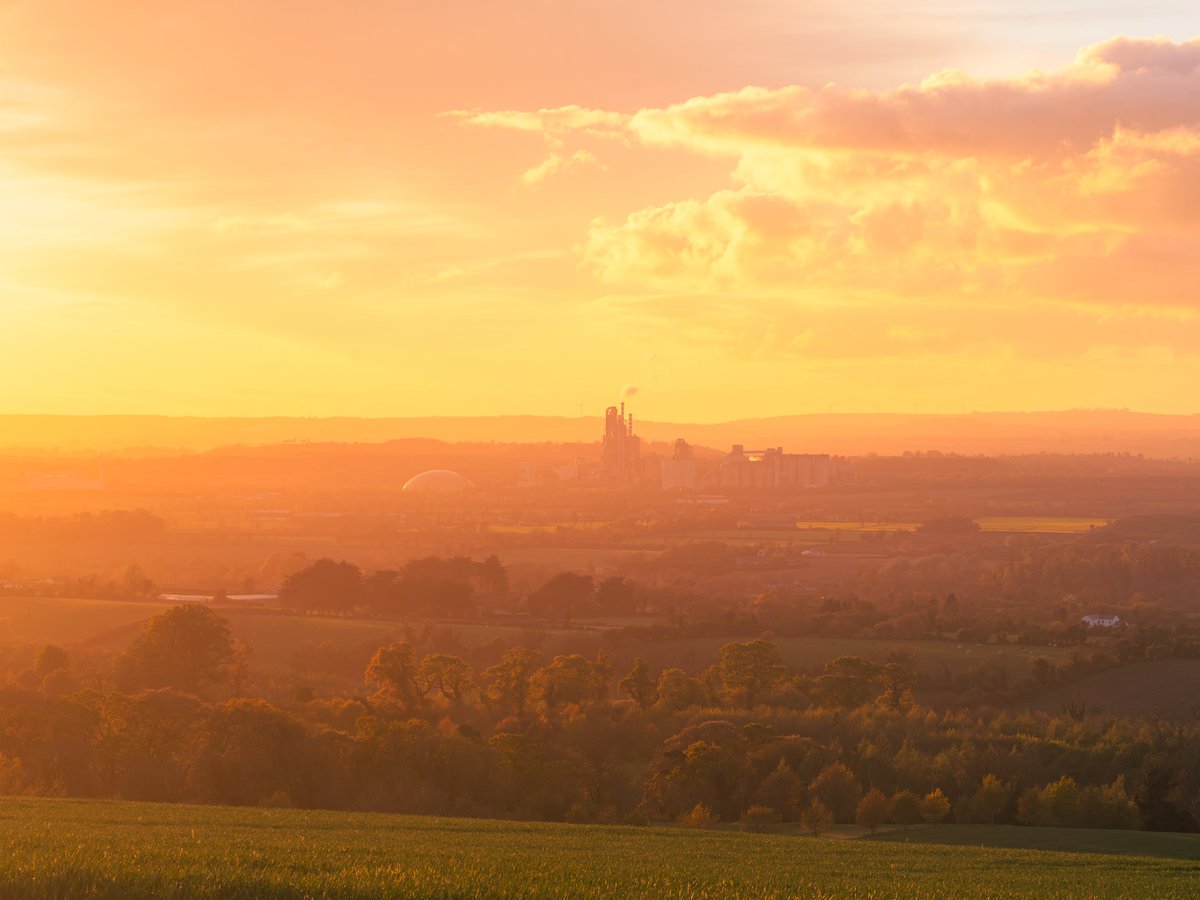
1101	621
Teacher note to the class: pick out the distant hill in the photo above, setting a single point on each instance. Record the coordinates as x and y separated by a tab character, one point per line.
1075	431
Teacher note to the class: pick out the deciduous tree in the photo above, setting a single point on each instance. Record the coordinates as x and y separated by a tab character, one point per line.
325	586
905	808
990	799
188	647
872	810
508	680
394	671
837	788
935	806
748	671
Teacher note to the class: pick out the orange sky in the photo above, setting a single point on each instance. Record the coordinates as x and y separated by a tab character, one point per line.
752	208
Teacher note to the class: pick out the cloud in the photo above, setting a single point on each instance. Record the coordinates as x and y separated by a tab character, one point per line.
557	121
555	126
1075	186
556	163
1143	85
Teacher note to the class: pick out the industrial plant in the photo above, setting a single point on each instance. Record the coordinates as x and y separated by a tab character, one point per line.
769	469
622	454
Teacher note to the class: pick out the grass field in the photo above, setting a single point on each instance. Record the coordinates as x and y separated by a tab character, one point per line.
571	557
1165	687
820	532
930	658
273	639
69	620
1078	840
103	849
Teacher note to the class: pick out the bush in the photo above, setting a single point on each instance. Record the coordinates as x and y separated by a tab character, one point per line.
760	818
700	817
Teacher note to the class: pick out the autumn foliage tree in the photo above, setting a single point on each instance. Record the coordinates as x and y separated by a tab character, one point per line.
935	806
748	671
508	680
990	799
872	810
394	672
639	685
837	788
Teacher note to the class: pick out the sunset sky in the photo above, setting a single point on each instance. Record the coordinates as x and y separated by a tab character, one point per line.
742	208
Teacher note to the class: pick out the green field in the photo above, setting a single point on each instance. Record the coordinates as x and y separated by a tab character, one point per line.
929	658
821	532
274	639
1154	687
571	557
68	620
1079	840
105	849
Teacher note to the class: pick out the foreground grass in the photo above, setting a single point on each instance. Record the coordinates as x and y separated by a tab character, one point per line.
72	848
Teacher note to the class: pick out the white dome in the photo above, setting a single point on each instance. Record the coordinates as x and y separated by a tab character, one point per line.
437	481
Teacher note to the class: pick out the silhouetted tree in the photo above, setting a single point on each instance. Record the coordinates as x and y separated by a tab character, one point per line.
563	596
905	808
617	596
325	586
188	647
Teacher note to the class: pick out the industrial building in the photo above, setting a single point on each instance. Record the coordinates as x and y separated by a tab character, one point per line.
679	472
770	468
621	457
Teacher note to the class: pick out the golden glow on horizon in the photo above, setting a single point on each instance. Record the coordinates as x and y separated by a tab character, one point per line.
307	211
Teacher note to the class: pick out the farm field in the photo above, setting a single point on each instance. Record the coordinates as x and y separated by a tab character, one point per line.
108	849
821	532
1041	524
930	658
1077	840
1166	687
67	620
571	557
274	639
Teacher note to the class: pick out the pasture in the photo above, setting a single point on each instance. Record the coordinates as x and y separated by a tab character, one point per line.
274	638
571	558
69	620
104	849
1156	687
933	659
1075	840
819	532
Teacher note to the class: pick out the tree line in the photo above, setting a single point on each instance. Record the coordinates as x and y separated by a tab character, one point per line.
447	588
569	738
